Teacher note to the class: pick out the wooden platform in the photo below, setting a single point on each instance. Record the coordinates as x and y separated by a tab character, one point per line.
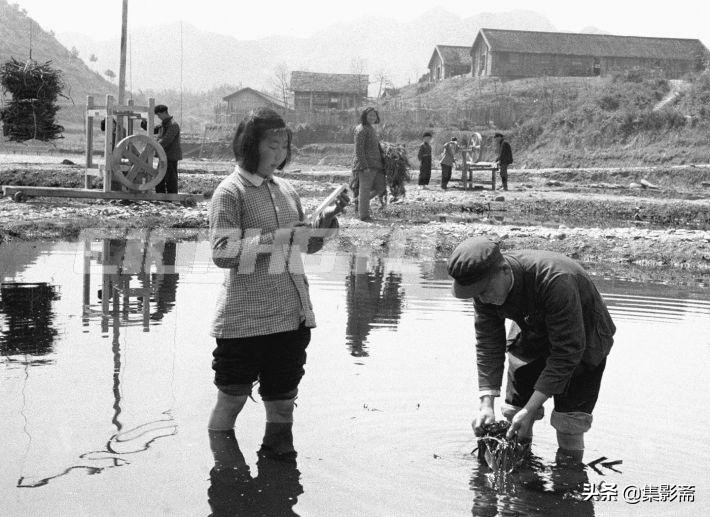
28	192
467	175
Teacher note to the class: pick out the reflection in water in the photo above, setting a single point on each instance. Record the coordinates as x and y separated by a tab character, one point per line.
535	489
233	491
125	262
165	282
28	320
121	261
433	270
372	299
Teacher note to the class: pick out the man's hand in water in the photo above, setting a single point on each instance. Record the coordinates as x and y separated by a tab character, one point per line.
520	424
486	415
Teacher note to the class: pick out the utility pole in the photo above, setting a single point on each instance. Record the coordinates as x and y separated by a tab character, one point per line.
122	64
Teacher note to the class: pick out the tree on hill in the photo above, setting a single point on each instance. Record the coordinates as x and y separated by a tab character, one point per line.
281	82
110	74
93	58
358	66
74	53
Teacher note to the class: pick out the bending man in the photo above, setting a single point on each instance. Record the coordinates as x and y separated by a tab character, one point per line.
561	335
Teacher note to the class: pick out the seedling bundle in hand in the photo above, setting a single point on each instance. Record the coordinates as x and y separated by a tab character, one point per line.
396	168
503	456
34	87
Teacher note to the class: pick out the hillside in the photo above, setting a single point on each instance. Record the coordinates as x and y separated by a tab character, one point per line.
569	122
399	49
15	29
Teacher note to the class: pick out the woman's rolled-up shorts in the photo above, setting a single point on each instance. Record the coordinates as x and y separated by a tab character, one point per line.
275	360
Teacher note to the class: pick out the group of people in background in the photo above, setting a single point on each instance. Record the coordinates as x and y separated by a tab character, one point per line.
369	178
504	157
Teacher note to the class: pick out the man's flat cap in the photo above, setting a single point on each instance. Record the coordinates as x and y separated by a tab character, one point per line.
470	265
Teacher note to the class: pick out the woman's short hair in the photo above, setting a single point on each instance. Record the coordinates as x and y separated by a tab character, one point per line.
363	116
252	130
426	134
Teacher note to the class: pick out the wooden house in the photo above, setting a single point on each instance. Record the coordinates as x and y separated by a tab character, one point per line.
240	103
328	91
516	54
449	61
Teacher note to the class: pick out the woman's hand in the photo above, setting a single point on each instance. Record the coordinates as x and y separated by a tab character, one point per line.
330	213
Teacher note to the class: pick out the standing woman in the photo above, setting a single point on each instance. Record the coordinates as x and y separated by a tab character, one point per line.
368	167
264	313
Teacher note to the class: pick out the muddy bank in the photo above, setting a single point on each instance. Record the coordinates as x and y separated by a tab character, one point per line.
677	255
536	201
669	236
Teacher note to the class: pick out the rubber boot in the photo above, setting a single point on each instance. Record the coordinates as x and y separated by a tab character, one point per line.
505	183
278	433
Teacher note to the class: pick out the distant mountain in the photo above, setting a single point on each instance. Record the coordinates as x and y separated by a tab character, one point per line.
593	30
15	29
400	50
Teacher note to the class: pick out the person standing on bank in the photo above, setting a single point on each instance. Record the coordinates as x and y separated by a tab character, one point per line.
448	158
169	138
505	158
368	167
424	157
558	345
264	313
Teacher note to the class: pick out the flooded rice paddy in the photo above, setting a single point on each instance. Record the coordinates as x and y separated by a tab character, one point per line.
106	387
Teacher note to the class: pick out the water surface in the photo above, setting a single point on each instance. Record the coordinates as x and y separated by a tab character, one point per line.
106	387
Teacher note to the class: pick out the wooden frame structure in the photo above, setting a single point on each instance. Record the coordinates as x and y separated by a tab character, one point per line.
470	163
124	164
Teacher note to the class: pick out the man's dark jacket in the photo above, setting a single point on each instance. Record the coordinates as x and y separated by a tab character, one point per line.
560	313
169	137
505	155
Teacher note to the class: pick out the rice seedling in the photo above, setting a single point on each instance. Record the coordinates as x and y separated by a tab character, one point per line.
503	456
31	112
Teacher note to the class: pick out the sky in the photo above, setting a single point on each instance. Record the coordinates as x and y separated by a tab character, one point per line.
250	19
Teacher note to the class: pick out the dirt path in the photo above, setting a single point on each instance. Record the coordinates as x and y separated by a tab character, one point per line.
678	88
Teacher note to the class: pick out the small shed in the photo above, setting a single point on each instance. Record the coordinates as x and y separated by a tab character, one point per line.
516	54
314	90
240	103
449	61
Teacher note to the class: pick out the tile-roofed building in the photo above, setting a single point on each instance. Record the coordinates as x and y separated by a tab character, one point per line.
314	90
512	54
240	103
448	61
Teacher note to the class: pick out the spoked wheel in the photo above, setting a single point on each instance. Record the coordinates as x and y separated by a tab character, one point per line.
476	147
139	163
